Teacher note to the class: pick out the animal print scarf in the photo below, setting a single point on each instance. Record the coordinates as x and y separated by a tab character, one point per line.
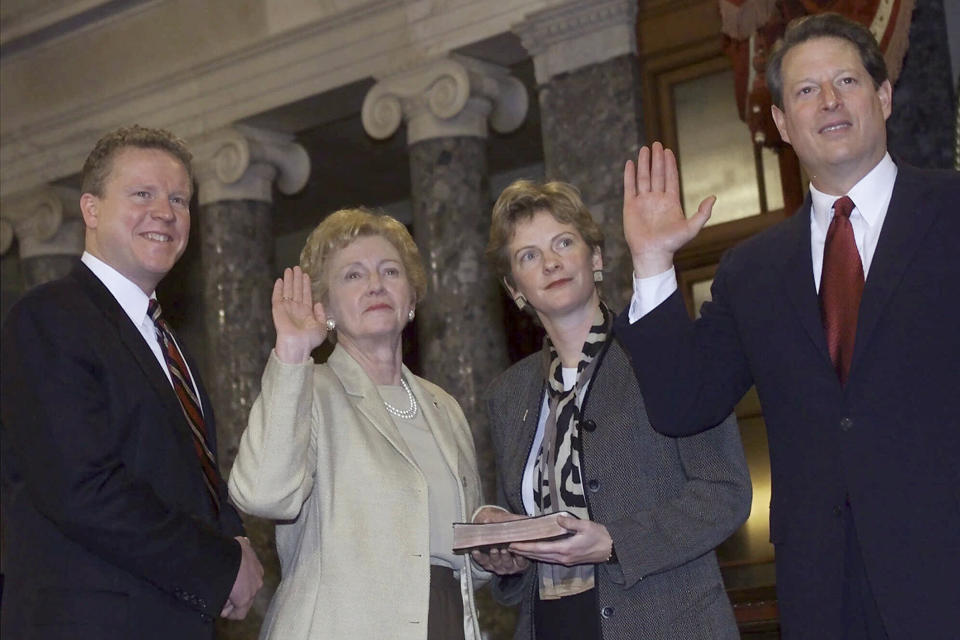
559	482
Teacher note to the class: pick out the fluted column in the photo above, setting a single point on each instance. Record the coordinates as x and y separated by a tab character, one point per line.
49	230
588	81
236	168
447	104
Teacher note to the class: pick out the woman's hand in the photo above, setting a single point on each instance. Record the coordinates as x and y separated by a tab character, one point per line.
301	324
499	560
590	544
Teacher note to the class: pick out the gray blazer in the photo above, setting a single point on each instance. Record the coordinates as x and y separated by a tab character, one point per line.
666	502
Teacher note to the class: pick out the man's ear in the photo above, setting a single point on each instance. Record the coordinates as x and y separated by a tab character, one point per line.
780	119
90	209
885	93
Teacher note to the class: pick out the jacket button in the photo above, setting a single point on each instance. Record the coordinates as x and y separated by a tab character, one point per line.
593	485
607	612
846	424
589	425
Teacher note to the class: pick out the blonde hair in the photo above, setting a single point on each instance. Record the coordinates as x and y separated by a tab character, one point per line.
521	201
346	225
99	164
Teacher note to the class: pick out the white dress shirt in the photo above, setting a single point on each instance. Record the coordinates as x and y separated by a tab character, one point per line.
134	303
871	198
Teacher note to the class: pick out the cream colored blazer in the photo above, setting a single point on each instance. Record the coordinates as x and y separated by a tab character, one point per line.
322	457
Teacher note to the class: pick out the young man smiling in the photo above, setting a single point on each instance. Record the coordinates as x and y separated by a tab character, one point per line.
116	521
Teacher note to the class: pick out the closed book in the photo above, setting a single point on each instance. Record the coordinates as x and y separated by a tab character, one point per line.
469	535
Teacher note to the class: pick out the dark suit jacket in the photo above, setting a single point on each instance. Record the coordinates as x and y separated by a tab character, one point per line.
666	502
889	442
109	531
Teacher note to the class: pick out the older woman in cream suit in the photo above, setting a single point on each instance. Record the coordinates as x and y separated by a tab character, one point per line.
363	465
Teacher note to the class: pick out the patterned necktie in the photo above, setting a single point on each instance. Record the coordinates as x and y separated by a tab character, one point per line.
189	401
841	286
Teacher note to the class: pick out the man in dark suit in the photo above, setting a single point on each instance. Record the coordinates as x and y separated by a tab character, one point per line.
116	521
845	318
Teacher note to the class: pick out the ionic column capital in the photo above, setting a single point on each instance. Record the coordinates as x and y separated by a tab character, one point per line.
241	163
445	97
45	221
578	34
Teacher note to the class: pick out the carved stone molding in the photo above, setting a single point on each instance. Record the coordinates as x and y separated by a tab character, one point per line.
295	50
445	97
45	221
578	34
241	163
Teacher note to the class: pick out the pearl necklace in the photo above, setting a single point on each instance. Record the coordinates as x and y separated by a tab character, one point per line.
406	414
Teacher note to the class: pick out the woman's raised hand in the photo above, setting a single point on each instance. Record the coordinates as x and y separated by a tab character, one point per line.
300	324
653	221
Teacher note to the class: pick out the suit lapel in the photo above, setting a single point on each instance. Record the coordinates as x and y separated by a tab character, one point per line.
130	337
797	270
436	416
363	394
904	227
522	416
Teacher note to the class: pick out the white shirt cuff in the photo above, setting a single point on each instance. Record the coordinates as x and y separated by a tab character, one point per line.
649	293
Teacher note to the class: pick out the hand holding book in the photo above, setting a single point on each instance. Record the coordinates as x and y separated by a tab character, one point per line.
505	540
493	527
496	559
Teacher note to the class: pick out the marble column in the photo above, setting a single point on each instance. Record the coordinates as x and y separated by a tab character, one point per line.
236	168
921	127
49	231
446	105
588	82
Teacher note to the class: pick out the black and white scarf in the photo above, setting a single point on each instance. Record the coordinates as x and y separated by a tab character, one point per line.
558	484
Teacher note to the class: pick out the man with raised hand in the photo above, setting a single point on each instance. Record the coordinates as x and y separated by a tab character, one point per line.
844	316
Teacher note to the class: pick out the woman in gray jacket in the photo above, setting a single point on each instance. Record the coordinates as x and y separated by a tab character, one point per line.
571	434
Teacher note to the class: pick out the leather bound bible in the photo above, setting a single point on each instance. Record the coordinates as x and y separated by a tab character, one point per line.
468	535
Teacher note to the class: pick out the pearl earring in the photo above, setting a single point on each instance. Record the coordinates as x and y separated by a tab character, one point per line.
598	275
331	324
520	300
411	315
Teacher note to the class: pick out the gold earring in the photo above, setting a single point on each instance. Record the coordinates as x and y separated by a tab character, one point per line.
597	275
520	300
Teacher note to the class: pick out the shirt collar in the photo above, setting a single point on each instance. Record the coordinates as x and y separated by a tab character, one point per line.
131	298
870	195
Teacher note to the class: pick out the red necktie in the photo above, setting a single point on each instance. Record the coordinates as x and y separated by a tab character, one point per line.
841	286
189	401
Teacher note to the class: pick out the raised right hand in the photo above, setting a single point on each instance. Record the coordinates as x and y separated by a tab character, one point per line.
653	221
301	324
